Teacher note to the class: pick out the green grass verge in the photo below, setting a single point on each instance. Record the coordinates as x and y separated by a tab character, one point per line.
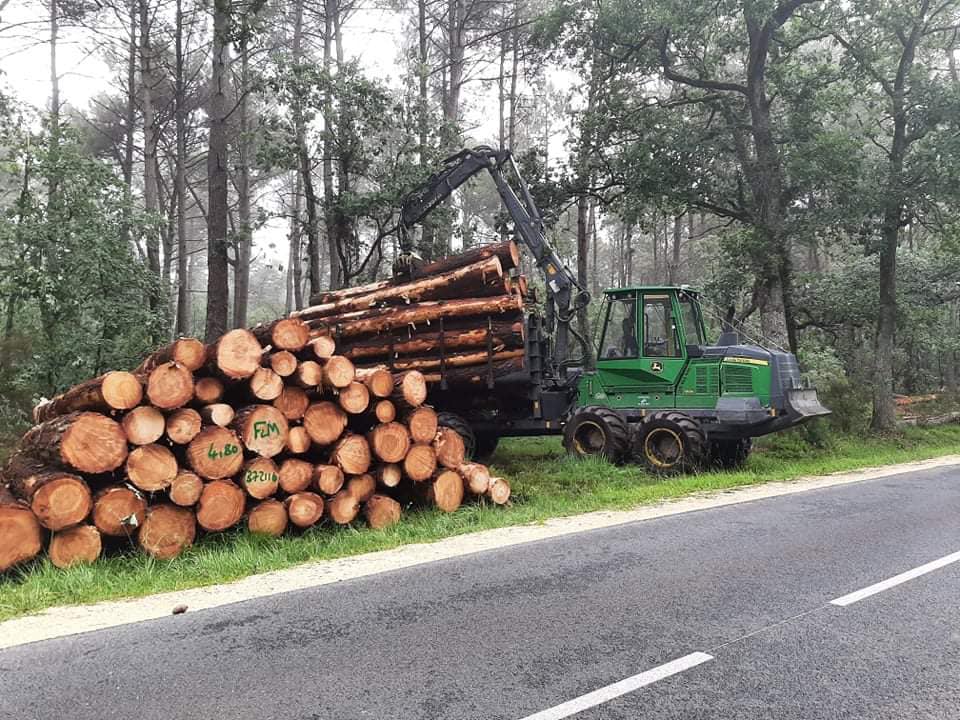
546	484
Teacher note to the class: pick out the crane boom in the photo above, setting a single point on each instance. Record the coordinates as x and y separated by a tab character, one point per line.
564	295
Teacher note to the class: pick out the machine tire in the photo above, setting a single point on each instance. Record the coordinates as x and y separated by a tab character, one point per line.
597	431
460	424
486	445
730	454
669	442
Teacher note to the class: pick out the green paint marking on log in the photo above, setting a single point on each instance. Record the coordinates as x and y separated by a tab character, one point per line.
260	476
264	429
228	450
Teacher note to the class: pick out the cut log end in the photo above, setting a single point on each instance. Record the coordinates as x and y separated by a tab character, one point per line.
170	386
185	489
220	414
411	389
119	511
390	442
60	500
144	425
362	487
295	475
304	509
298	440
290	334
328	479
420	462
499	491
450	448
21	538
221	506
354	398
266	384
236	355
446	491
352	454
309	374
323	347
167	531
379	381
422	422
183	425
121	390
283	363
324	422
476	477
292	402
262	428
80	545
389	474
338	372
151	467
260	478
88	442
343	508
268	518
385	411
381	511
215	453
208	390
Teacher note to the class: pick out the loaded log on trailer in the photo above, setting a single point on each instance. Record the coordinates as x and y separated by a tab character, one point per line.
498	366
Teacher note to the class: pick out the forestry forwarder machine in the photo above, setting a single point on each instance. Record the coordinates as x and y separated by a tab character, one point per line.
659	393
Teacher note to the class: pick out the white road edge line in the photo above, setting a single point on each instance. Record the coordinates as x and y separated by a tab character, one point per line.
628	685
903	577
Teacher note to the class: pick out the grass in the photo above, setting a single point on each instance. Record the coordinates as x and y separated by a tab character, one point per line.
545	483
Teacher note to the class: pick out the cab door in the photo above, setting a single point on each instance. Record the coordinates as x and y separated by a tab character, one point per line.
662	349
618	354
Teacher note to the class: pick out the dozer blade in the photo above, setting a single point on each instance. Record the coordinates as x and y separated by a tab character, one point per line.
804	404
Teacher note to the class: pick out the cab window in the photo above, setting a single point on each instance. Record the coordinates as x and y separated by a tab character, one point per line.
659	331
692	329
620	333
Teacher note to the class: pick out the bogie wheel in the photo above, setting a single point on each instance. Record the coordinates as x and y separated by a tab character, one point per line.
458	423
670	442
597	431
730	454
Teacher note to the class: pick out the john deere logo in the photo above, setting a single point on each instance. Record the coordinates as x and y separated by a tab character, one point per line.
656	366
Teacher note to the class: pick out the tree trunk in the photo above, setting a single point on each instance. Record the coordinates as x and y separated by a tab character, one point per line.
150	137
241	268
294	297
218	291
184	309
502	334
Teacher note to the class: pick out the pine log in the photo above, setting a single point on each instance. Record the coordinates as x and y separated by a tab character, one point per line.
292	402
507	252
119	511
188	352
325	422
266	384
457	360
338	372
295	475
410	389
112	391
355	398
58	499
151	467
167	531
476	375
21	538
220	414
309	374
343	508
476	477
385	411
283	362
169	386
221	506
79	545
185	489
380	320
445	491
323	347
284	334
351	454
144	425
390	441
268	518
420	462
450	448
504	334
304	509
362	487
215	453
422	422
262	429
298	440
88	442
328	479
236	355
183	425
381	511
499	491
478	279
208	390
260	478
379	381
389	474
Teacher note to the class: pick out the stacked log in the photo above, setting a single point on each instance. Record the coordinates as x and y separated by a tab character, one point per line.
459	321
319	417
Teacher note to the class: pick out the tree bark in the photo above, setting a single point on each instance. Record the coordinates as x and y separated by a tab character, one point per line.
113	391
86	441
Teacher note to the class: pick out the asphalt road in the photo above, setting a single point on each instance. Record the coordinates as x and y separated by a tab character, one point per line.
516	633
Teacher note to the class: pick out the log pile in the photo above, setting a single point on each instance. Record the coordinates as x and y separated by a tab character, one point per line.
460	321
318	417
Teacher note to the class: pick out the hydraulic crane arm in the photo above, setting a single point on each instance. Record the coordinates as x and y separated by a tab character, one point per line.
564	295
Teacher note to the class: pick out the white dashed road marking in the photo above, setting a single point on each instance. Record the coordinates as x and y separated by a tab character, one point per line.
895	580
